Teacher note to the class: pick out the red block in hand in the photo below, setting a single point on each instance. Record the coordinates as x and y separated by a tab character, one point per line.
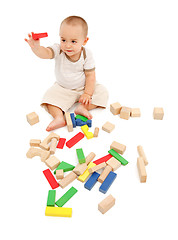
36	36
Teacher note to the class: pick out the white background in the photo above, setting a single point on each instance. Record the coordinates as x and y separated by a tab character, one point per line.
135	45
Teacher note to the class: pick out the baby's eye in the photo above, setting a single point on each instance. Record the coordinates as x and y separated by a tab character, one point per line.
73	41
63	40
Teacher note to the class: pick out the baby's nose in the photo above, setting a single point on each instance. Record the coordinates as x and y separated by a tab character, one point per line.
68	45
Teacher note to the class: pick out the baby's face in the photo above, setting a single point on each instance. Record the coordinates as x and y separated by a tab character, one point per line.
72	39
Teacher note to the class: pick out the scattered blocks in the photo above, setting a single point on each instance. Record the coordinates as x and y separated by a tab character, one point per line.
53	145
65	166
35	142
68	179
118	147
61	143
44	144
59	174
73	119
125	113
108	127
58	212
96	131
97	167
43	154
69	122
141	169
74	140
106	204
118	157
32	118
115	108
103	159
158	113
80	155
107	182
84	176
135	112
51	198
52	162
66	197
52	181
142	154
88	135
91	181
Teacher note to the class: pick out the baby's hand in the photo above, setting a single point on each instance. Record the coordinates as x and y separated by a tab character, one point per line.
32	43
85	99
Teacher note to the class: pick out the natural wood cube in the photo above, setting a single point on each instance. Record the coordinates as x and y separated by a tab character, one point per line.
32	118
118	147
108	127
115	108
158	113
52	162
106	204
135	112
125	113
113	163
59	174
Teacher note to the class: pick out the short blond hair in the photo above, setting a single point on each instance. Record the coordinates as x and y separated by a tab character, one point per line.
75	20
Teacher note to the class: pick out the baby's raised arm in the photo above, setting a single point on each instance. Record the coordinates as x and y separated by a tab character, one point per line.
39	51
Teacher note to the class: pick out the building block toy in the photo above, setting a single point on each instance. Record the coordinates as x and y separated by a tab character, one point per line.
141	169
66	197
108	127
105	173
91	181
52	181
96	131
73	119
80	168
53	145
52	162
51	198
36	36
69	122
113	163
106	204
97	167
107	182
115	108
44	144
158	113
35	142
59	174
32	118
125	113
65	166
88	134
68	179
84	176
103	159
118	147
84	119
70	143
89	123
135	112
80	123
118	157
142	154
58	212
80	155
90	157
43	154
61	143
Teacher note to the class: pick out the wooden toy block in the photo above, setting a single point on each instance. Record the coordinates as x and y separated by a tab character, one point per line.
73	120
107	182
88	134
142	154
115	108
103	159
80	123
91	181
80	168
158	113
125	113
108	127
69	122
97	167
84	119
90	157
80	155
35	142
89	123
118	157
43	154
58	212
106	204
118	147
59	174
84	176
105	173
135	112
96	131
65	166
53	145
36	36
32	118
68	179
141	169
50	178
74	140
61	143
44	144
51	198
113	163
52	162
66	197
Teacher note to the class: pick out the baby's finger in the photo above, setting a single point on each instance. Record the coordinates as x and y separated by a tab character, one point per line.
29	35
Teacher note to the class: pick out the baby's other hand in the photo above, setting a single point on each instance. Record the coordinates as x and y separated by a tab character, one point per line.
85	99
32	43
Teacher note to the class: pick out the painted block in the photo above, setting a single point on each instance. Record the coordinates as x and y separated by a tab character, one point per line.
91	181
103	159
107	182
80	155
73	120
84	119
58	212
84	176
74	140
61	143
66	197
88	134
118	157
65	166
51	198
50	178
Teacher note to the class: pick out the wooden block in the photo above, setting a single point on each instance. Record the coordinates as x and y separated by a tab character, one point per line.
118	157
43	154
59	174
70	143
52	162
103	159
73	119
58	212
68	179
32	118
91	181
90	157
84	176
50	178
44	143
80	168
113	163
61	143
106	204
69	122
142	154
66	197
80	155
125	113
53	145
96	131
104	173
141	169
84	119
115	108
118	147
51	198
65	166
97	167
35	142
108	127
158	113
135	112
107	182
88	134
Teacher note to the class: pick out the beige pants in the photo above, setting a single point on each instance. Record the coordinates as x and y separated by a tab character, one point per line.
65	98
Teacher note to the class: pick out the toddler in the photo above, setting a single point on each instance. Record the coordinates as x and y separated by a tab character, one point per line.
75	73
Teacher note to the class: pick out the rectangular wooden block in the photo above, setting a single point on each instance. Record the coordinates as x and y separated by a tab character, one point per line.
106	204
103	159
91	181
52	162
113	163
142	154
74	140
96	131
107	182
115	108
51	198
135	112
118	157
35	142
69	122
105	173
50	178
58	212
108	127
80	168
118	147
61	143
59	174
53	145
80	155
66	197
84	176
158	113
97	167
68	179
90	157
32	118
141	170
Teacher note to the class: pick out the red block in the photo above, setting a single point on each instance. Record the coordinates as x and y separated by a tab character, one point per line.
36	36
52	181
74	140
103	159
61	143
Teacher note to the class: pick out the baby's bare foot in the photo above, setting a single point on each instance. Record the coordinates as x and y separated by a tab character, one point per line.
58	122
81	110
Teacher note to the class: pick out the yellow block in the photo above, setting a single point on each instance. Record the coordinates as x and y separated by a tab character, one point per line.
58	212
85	131
84	176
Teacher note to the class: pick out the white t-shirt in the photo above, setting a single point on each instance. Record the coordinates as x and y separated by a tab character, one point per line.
70	74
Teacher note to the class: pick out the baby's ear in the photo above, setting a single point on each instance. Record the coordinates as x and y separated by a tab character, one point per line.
85	41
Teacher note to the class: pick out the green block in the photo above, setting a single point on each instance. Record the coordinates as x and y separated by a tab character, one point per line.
65	198
51	198
118	157
84	119
80	155
65	166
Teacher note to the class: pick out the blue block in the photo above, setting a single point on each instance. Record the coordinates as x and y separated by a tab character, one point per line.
73	119
91	181
89	123
79	122
107	182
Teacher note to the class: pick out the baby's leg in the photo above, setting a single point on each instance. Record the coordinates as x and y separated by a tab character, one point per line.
84	110
58	116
